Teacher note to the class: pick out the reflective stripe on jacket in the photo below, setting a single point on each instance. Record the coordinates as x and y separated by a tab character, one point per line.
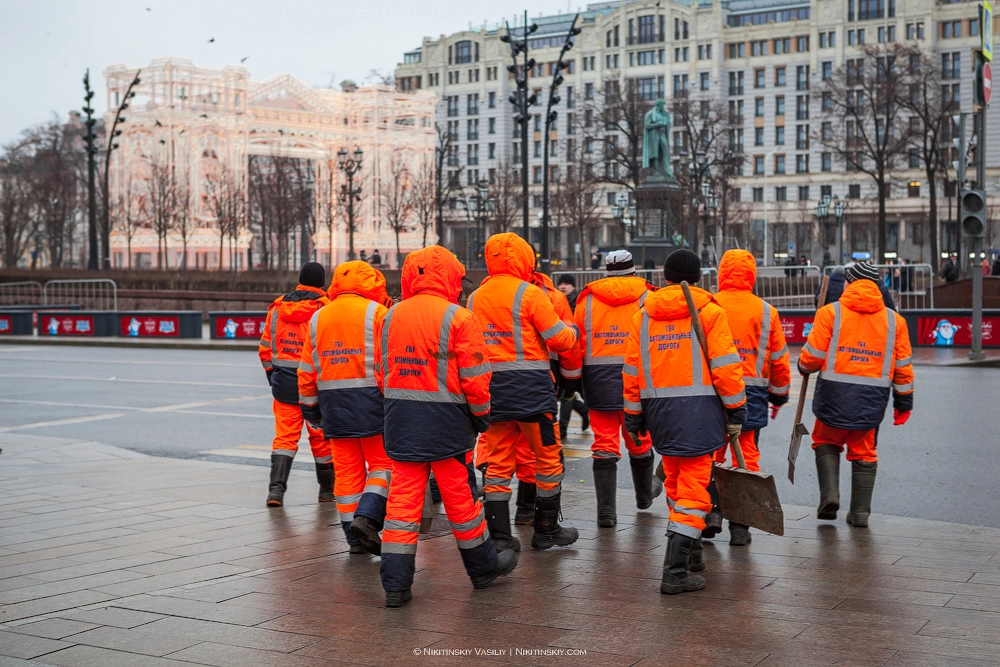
567	363
285	330
432	364
521	327
667	379
604	312
757	333
862	350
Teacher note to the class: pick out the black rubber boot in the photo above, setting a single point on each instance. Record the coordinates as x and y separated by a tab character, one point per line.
585	418
739	535
647	487
281	466
828	472
365	530
713	522
606	484
548	533
396	599
862	485
676	578
506	562
498	521
525	514
324	475
696	561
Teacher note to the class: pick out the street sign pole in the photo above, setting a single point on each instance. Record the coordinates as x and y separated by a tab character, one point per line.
985	80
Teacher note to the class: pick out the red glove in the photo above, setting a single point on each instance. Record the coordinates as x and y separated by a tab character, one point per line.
774	411
899	418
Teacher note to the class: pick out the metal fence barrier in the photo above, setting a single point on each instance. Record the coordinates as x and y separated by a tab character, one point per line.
790	288
25	293
911	285
709	277
94	294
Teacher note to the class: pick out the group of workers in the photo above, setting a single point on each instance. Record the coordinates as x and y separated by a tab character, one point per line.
392	395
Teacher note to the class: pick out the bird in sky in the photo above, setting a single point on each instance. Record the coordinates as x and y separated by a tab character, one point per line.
211	40
159	124
244	59
204	115
148	9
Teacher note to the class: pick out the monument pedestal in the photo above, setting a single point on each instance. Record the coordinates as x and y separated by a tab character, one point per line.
659	204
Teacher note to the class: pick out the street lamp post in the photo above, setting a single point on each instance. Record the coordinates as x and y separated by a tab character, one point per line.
710	202
350	165
522	102
823	216
112	135
92	256
624	214
485	205
838	213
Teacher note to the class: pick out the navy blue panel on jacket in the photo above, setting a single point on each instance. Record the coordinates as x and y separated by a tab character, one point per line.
685	425
425	431
756	406
285	385
849	406
518	394
351	413
603	388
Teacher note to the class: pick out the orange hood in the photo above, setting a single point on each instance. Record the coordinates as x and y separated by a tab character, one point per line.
737	271
361	278
862	296
539	279
432	270
301	306
667	303
616	290
509	254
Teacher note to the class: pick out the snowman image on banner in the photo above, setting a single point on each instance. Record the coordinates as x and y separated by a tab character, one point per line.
53	326
230	328
133	327
944	333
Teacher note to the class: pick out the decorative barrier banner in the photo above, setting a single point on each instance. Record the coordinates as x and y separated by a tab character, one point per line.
138	326
239	326
796	327
951	330
66	325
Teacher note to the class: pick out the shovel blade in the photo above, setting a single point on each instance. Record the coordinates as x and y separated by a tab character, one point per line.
749	498
793	448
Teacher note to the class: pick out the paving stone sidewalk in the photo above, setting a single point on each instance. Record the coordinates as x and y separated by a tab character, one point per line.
108	557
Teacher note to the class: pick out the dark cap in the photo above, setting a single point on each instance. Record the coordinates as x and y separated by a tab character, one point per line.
682	264
313	274
567	279
862	271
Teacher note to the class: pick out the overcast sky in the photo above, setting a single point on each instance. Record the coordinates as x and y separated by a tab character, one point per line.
45	45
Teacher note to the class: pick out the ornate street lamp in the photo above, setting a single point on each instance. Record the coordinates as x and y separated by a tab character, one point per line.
838	213
823	216
350	165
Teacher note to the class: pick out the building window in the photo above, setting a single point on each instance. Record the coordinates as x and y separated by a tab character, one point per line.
951	65
913	189
452	102
492	126
826	70
802	107
736	83
973	27
802	44
758	194
802	77
854	191
758	78
759	47
779	135
801	164
802	137
492	151
758	165
782	46
779	164
570	98
703	81
472	154
758	136
951	29
781	193
737	50
779	105
538	149
779	76
803	193
758	107
453	130
472	129
463	52
826	162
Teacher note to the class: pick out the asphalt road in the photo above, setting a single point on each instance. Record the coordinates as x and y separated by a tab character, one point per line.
215	405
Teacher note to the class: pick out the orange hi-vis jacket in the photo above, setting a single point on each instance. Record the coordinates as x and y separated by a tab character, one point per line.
285	330
669	385
604	312
567	364
337	372
861	350
758	336
432	364
521	327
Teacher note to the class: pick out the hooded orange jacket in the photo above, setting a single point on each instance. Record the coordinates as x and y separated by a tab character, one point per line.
757	332
285	330
337	384
566	364
432	364
604	312
521	327
862	350
669	385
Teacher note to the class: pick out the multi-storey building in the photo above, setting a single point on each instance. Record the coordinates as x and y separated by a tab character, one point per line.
199	124
765	59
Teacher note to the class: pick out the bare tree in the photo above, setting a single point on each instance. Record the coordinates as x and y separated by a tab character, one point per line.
162	205
619	125
505	194
183	218
131	212
280	200
577	200
227	201
326	200
396	195
865	126
424	197
447	172
15	203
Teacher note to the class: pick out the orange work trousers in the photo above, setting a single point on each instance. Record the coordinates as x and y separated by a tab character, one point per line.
609	429
501	445
288	425
748	445
686	484
524	457
362	467
860	444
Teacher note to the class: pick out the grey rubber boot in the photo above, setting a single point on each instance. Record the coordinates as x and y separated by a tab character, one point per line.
862	485
828	472
281	466
696	561
548	533
676	577
498	522
324	475
647	487
606	485
525	514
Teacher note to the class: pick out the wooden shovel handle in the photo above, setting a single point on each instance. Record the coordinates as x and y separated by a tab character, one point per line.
823	287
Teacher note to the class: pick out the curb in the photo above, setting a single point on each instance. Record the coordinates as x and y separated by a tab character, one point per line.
194	344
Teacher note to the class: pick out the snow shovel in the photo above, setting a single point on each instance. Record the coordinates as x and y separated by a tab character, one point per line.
745	497
800	429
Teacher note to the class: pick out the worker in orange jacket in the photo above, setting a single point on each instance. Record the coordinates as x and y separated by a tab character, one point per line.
687	403
434	372
760	342
521	327
604	312
862	352
339	394
285	330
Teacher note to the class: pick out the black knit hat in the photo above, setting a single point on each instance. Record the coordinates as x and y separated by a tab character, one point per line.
313	274
862	271
620	263
682	264
567	279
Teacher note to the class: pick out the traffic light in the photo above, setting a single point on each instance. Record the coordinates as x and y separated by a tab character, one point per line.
972	207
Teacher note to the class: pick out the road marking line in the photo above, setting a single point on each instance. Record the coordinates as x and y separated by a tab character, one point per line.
105	362
226	414
185	383
64	422
164	408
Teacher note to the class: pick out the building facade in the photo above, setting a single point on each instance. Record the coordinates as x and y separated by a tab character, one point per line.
203	128
764	59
